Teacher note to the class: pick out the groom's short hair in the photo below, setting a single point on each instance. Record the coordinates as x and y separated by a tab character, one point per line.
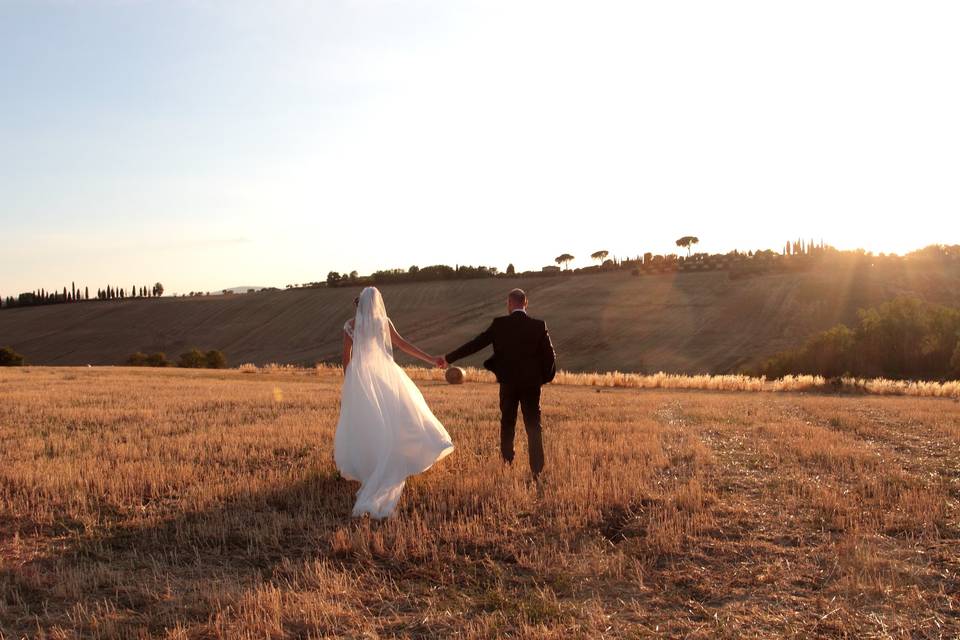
518	297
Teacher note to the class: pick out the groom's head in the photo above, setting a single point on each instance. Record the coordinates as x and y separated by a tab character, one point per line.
516	299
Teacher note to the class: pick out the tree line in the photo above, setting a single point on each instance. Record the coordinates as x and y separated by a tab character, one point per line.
192	359
797	253
412	274
904	338
76	294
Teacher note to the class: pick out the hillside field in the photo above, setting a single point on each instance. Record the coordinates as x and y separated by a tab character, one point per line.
684	323
166	503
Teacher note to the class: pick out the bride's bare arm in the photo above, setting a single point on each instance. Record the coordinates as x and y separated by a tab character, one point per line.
406	347
347	349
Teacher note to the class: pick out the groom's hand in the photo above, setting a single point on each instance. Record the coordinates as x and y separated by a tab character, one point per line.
441	362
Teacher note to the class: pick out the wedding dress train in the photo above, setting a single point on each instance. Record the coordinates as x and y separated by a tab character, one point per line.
386	431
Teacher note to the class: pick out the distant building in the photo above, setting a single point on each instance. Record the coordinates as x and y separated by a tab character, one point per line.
550	269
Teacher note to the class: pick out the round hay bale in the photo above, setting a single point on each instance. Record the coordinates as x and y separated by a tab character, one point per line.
455	375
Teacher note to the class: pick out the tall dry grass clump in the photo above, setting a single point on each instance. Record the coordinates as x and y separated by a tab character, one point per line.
667	381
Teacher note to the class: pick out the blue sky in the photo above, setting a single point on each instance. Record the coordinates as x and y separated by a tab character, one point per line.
208	144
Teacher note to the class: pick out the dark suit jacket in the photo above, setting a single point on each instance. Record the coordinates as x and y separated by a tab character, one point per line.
522	352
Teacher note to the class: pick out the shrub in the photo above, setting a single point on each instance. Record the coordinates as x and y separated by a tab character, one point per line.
196	359
903	338
140	359
158	359
10	358
215	359
193	359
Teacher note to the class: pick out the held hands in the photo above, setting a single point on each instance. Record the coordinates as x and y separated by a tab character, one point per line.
440	361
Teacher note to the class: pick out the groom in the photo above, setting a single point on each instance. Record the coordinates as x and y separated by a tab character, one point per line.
523	361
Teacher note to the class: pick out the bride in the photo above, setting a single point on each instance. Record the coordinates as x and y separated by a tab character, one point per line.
386	431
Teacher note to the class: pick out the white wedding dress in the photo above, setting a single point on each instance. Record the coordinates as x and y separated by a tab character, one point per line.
386	431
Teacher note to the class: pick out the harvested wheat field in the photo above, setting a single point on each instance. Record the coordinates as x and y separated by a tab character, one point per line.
202	504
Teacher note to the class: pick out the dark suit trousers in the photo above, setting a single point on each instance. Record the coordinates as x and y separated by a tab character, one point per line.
529	400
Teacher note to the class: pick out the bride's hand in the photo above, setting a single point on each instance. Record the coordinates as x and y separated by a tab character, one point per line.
440	361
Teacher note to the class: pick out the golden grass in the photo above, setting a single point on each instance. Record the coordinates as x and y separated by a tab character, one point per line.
141	503
617	379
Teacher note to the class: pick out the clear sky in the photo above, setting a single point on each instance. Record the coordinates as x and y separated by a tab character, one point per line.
215	143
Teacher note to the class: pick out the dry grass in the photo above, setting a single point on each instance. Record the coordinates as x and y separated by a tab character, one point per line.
204	504
617	379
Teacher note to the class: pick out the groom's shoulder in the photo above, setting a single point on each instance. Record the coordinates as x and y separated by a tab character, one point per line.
527	318
536	321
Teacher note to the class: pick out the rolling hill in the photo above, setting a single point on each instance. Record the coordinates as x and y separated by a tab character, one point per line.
687	322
